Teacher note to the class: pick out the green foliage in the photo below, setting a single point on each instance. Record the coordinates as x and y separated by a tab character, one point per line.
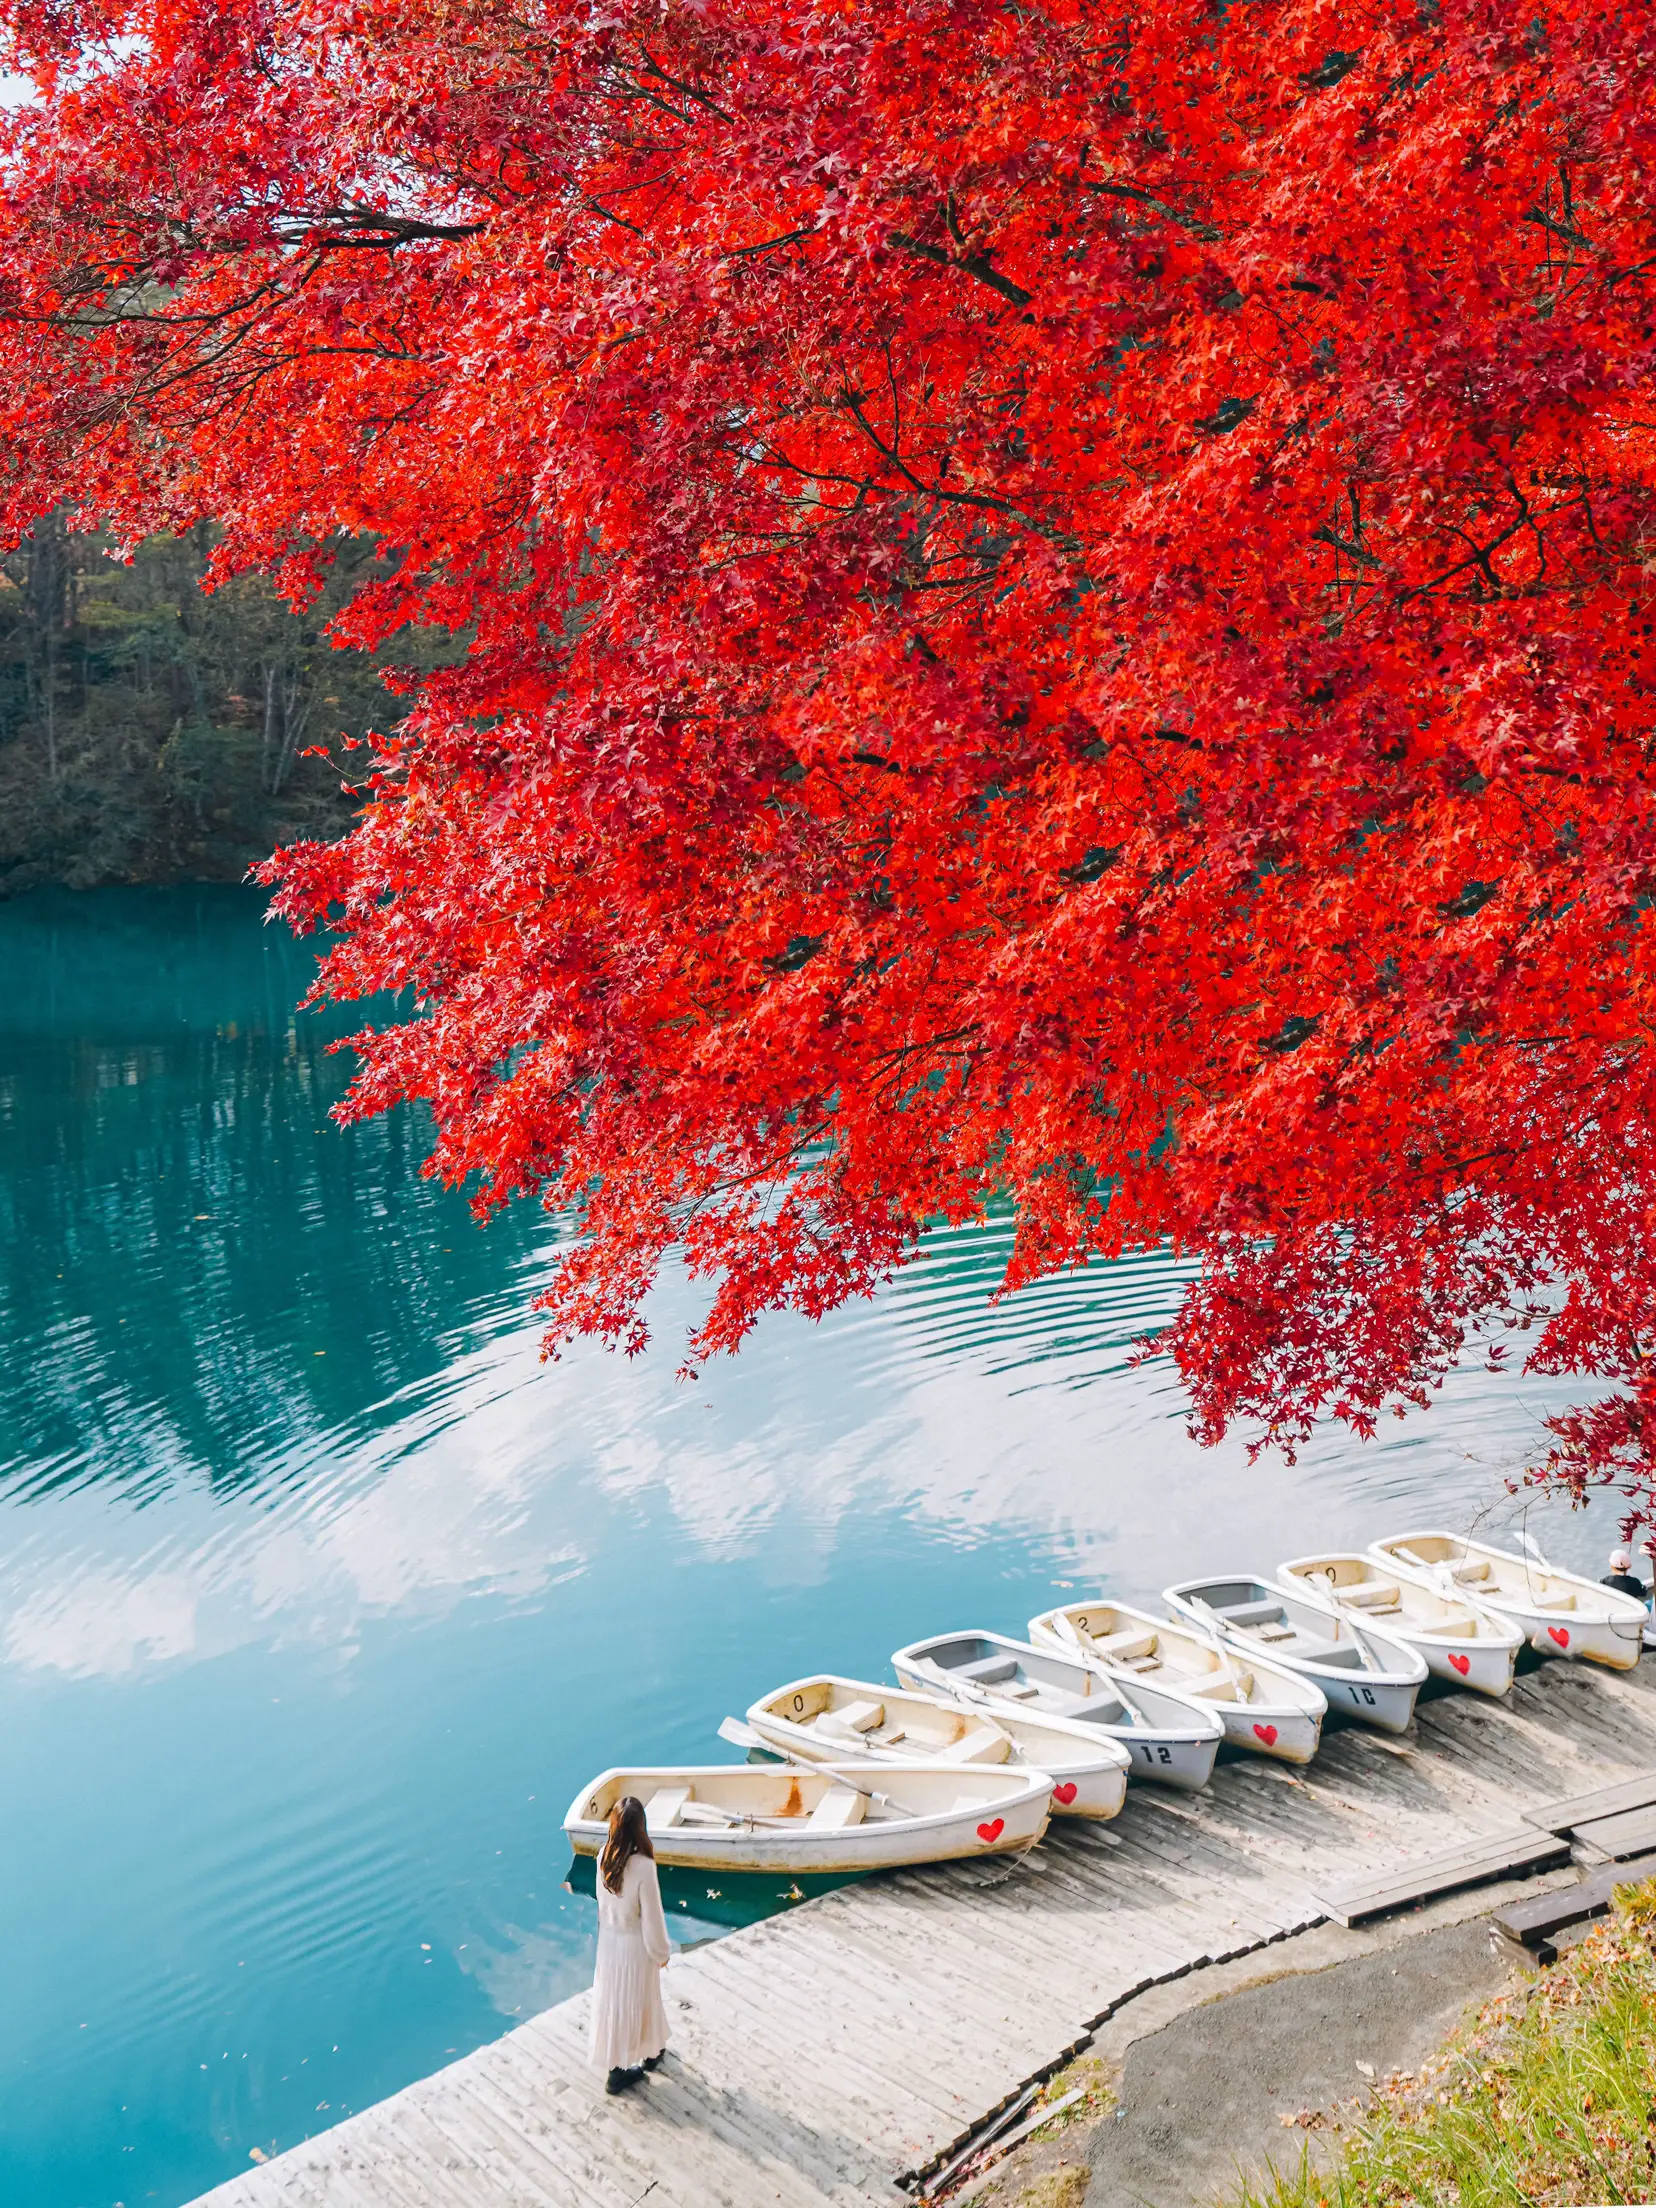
150	731
1548	2098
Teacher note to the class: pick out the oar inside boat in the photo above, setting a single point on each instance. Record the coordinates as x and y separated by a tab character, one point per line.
740	1735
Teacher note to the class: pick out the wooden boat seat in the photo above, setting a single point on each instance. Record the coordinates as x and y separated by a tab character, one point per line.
861	1717
1217	1686
1373	1595
1123	1647
1254	1614
840	1808
665	1808
980	1743
1471	1575
990	1671
1552	1602
1086	1707
1458	1626
830	1727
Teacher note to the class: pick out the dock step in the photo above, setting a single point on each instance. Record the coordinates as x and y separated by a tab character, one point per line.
1575	1810
1504	1855
1615	1839
1534	1923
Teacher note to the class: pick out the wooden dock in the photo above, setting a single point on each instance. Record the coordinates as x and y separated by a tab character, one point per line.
829	2055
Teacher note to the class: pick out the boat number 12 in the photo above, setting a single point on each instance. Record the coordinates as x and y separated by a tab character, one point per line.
1155	1754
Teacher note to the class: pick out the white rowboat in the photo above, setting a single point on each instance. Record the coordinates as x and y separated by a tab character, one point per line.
1089	1770
1363	1673
1168	1736
827	1719
1559	1612
1460	1640
778	1817
1270	1711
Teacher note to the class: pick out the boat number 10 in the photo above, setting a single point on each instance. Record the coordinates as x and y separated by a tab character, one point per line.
1154	1751
1363	1694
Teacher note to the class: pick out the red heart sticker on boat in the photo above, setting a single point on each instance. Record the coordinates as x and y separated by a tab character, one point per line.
1559	1634
993	1829
1463	1664
1065	1794
1267	1734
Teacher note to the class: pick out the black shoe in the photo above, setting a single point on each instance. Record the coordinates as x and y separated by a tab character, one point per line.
619	2080
653	2062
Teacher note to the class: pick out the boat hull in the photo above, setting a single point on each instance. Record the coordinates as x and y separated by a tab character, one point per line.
1482	1667
1094	1791
1089	1776
1168	1759
1270	1729
1386	1704
1005	1822
1585	1640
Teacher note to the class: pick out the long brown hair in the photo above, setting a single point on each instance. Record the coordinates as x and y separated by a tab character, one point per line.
628	1836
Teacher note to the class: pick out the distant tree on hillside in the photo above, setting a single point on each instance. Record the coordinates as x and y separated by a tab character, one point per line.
151	732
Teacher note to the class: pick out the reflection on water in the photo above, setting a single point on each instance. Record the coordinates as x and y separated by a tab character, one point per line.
320	1596
199	1278
697	1900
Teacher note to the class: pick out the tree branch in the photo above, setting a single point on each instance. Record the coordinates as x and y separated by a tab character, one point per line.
969	264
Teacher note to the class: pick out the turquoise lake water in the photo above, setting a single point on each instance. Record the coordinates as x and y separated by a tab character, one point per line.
320	1596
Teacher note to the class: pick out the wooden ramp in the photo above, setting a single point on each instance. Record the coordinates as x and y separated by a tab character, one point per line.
828	2055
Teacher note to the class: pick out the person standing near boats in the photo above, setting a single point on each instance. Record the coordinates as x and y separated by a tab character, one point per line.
629	2018
1622	1577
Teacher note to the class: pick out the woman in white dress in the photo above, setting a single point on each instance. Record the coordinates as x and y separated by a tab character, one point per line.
629	2019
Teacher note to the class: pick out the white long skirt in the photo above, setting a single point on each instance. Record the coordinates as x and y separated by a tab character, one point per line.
629	2017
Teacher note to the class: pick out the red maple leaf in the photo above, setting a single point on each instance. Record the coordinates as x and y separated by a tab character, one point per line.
1058	602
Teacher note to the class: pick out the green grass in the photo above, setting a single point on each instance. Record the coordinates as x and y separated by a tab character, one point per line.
1546	2099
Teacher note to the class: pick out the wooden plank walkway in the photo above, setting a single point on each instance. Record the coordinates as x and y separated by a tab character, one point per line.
824	2056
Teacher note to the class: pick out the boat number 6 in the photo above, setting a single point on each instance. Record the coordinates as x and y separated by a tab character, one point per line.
1156	1754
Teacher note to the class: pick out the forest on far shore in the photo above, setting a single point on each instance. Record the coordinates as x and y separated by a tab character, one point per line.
153	732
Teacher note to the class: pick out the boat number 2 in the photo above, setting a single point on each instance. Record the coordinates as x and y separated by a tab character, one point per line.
1363	1694
1155	1754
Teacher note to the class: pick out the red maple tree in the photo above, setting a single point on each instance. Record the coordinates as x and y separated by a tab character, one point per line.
1057	607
